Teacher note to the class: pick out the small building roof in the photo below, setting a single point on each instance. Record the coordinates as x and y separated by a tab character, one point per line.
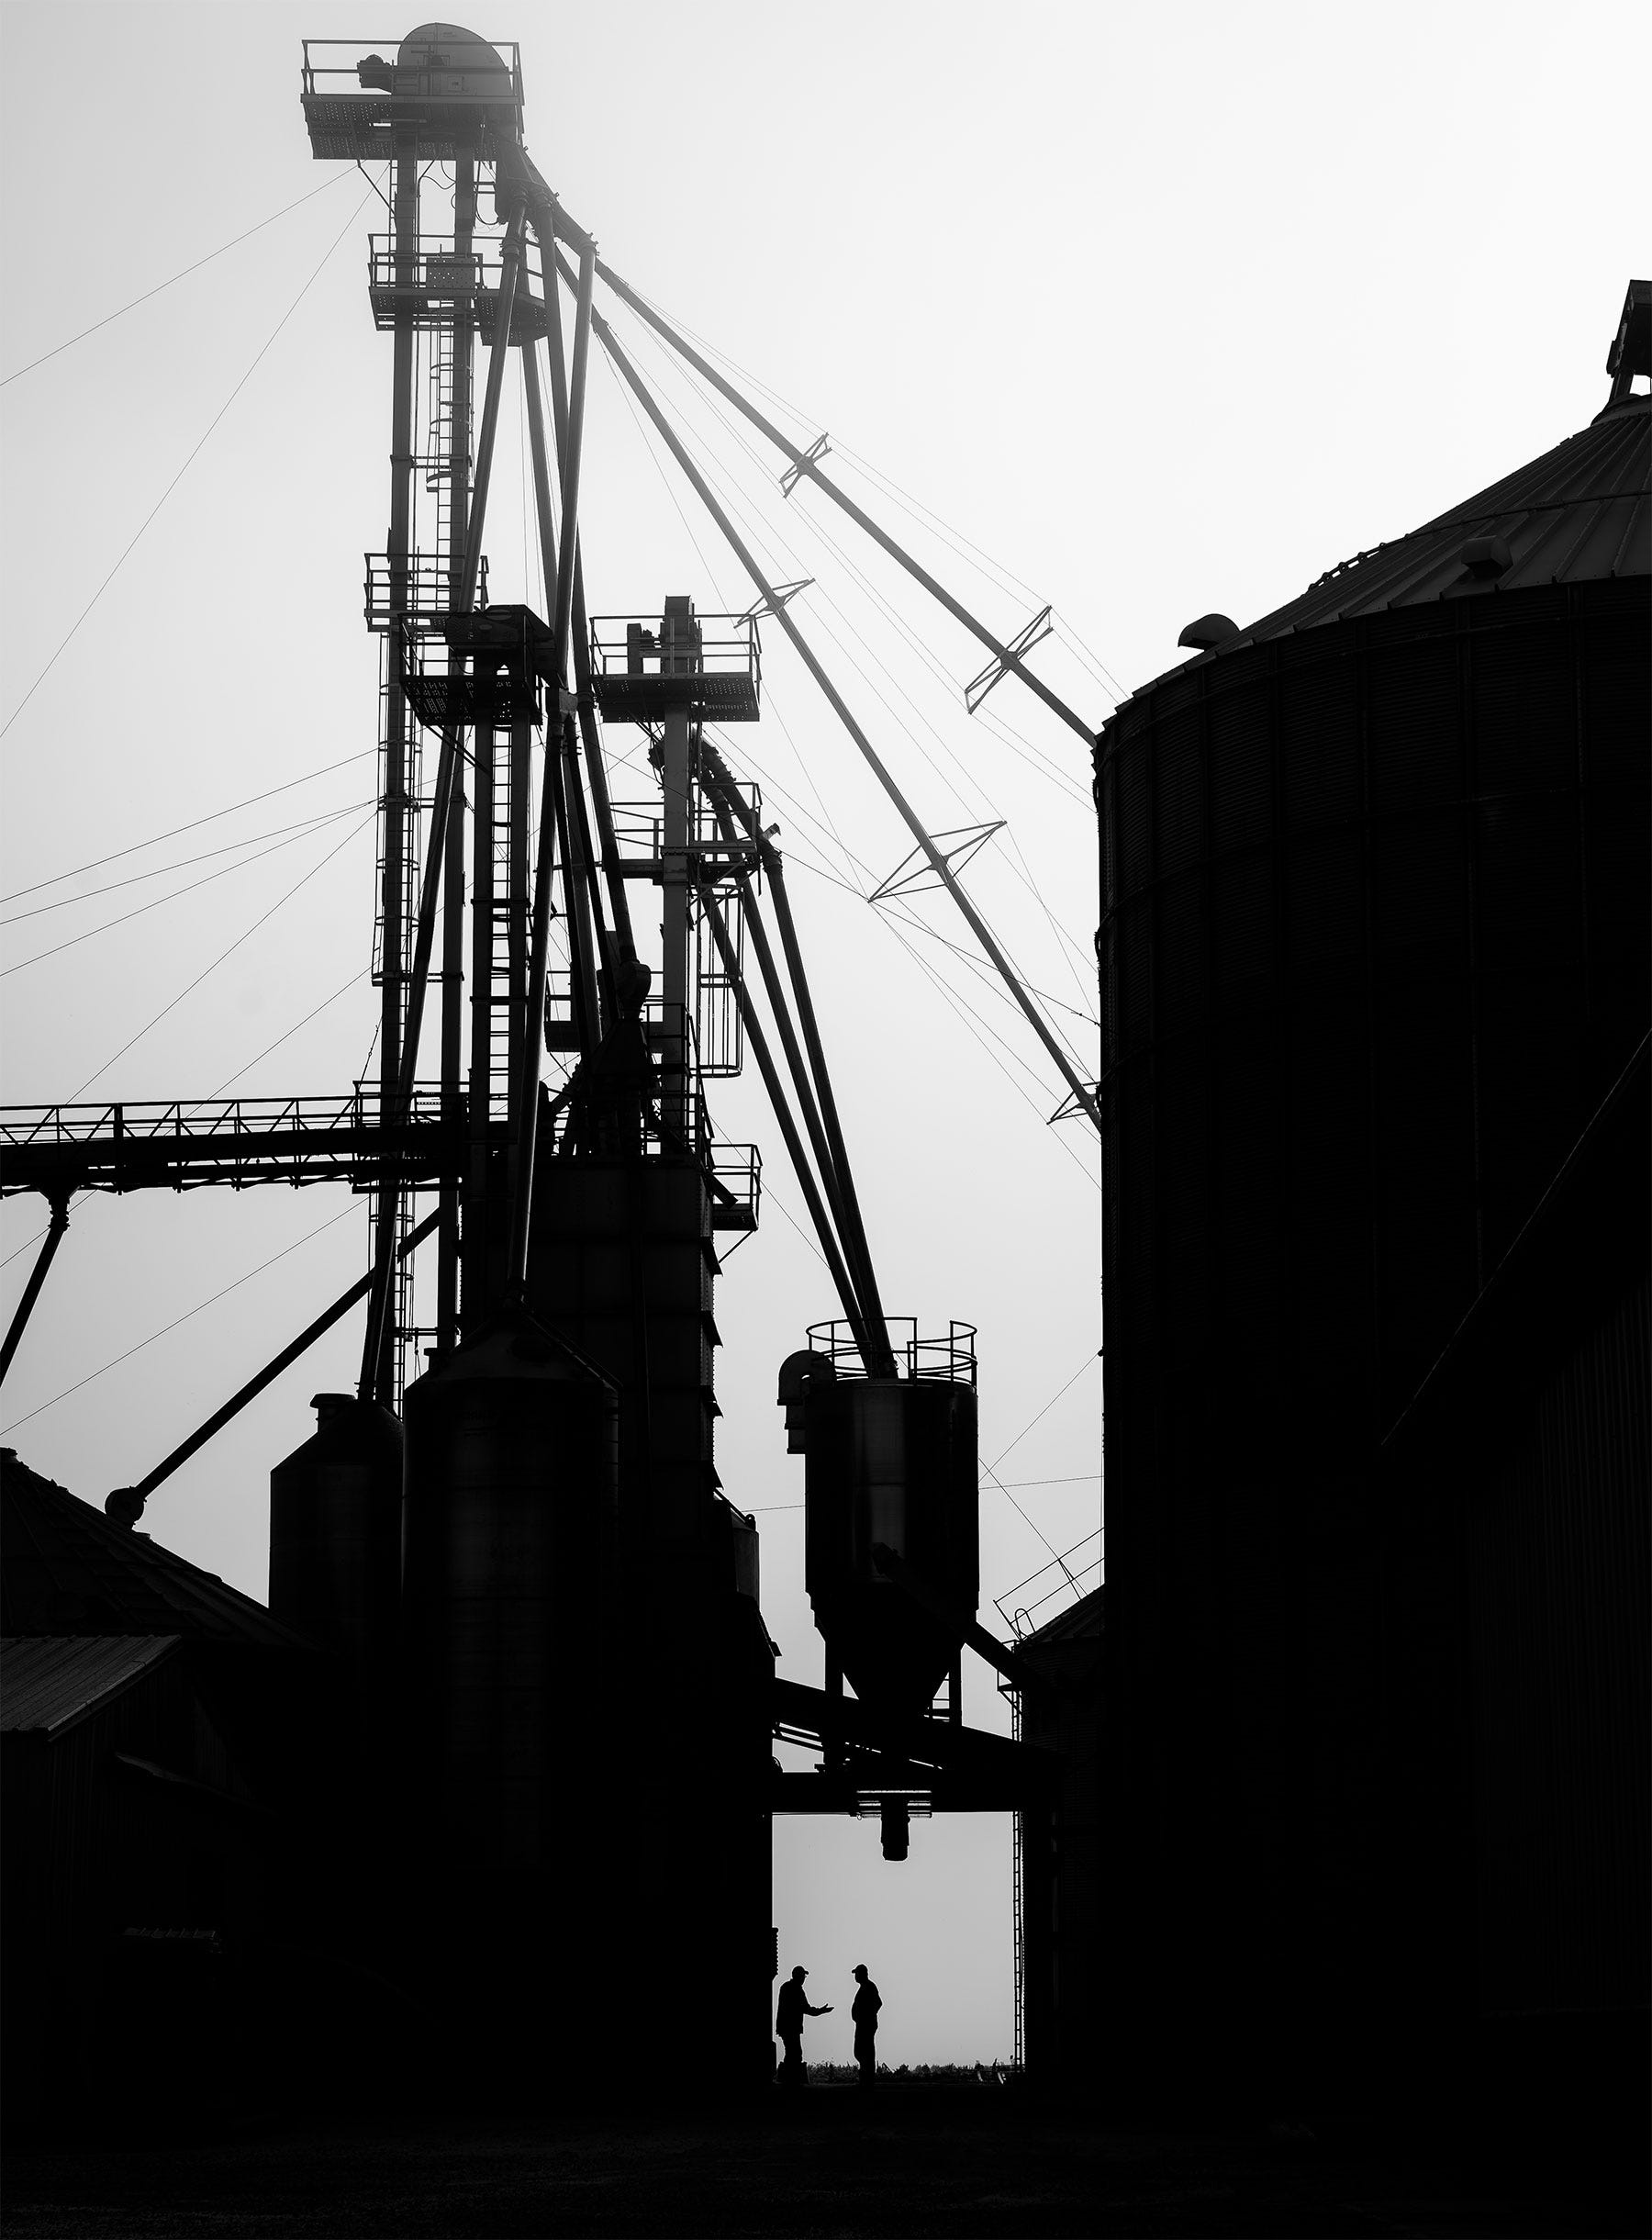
48	1683
1081	1622
70	1572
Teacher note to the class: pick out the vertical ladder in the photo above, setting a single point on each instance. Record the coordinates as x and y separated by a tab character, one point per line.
440	446
445	441
1017	1900
502	1037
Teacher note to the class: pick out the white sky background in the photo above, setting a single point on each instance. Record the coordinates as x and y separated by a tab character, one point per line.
1166	310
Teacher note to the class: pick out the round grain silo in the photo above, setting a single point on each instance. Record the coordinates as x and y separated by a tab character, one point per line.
1373	950
335	1532
507	1660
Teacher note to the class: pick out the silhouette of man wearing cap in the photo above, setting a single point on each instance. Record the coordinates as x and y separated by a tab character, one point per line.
790	2010
864	2014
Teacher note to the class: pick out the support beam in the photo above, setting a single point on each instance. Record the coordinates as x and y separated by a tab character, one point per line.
789	1129
622	945
1008	657
833	1168
550	217
1084	1094
378	1316
576	913
628	997
835	1158
675	929
480	1179
454	910
919	1743
511	259
1016	1670
396	803
126	1505
36	1277
515	1266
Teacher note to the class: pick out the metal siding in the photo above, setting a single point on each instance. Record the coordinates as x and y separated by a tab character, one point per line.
46	1683
1558	1561
1313	1140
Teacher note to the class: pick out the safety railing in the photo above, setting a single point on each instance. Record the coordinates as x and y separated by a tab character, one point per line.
641	666
122	1144
639	829
415	592
448	95
428	279
34	1124
736	1170
336	68
942	1361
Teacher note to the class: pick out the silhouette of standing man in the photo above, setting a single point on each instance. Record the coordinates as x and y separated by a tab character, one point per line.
790	2010
864	2014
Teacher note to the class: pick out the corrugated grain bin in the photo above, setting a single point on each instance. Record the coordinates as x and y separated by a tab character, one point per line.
1373	948
335	1531
509	1525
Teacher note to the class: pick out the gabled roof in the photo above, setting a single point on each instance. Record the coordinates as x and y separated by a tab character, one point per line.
48	1683
68	1571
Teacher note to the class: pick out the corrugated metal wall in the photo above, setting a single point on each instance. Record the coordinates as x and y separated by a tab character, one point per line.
1373	948
1558	1564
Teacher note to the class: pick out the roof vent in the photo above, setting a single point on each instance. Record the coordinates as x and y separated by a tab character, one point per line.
1209	630
124	1505
1485	559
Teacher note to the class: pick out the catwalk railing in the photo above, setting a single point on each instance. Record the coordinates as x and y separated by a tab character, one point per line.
240	1142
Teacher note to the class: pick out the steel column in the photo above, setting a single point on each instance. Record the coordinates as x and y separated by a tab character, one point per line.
452	923
580	646
534	1045
377	1374
36	1277
831	1150
789	1129
674	922
479	1167
127	1506
378	1318
881	1361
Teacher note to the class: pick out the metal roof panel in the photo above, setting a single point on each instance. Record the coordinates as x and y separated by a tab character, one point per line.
70	1571
47	1684
1581	513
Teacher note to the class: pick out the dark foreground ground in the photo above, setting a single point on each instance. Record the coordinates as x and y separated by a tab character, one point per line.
916	2159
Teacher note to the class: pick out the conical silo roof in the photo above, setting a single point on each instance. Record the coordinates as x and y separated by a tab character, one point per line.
1581	513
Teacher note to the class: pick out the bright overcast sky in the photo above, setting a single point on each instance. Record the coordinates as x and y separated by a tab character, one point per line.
1162	310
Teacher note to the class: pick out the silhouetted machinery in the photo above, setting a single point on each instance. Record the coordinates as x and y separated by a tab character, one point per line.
891	1466
511	1513
891	1493
336	1532
1375	1006
547	1756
